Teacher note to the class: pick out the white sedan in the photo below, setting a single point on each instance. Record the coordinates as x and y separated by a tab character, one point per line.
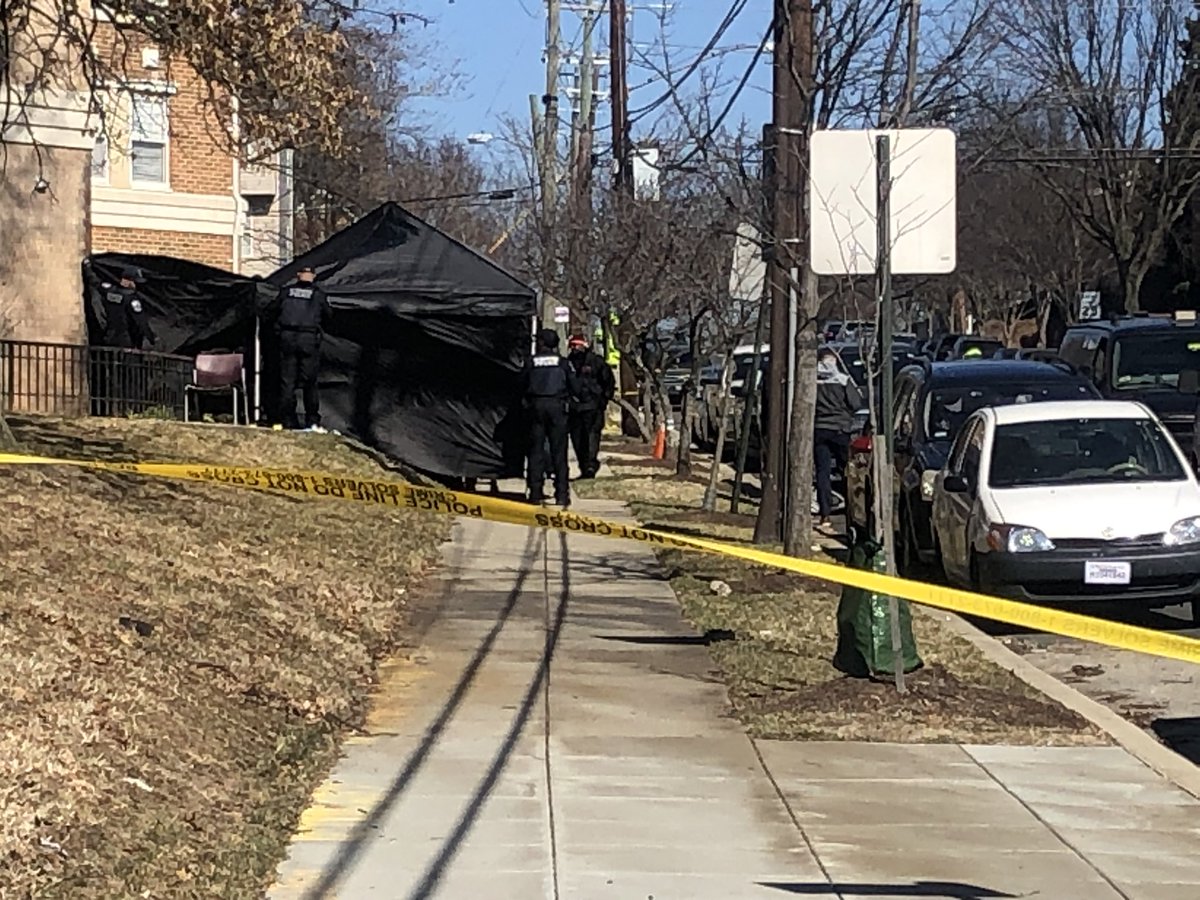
1073	500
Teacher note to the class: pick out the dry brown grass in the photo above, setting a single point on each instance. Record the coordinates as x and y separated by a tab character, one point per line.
180	661
773	639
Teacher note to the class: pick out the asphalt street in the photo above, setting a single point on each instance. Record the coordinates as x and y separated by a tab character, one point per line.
1157	694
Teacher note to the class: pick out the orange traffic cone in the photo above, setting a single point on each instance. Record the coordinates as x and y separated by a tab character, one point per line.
660	443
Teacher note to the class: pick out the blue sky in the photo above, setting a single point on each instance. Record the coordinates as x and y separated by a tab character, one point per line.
498	48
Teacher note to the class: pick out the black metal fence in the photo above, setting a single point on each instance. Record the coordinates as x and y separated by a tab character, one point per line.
73	380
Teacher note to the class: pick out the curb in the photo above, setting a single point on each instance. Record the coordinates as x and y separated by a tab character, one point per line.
1138	743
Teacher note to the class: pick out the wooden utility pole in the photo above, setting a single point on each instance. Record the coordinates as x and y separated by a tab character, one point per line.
797	507
582	127
622	177
792	32
548	169
622	181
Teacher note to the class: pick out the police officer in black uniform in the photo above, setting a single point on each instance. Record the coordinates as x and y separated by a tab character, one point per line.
550	384
124	325
122	315
302	313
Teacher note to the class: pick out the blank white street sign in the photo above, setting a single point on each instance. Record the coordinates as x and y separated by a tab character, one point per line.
749	269
844	203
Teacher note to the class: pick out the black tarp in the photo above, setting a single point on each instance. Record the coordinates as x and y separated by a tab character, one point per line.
191	307
423	354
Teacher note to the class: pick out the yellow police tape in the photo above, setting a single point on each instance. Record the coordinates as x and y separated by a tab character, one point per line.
403	495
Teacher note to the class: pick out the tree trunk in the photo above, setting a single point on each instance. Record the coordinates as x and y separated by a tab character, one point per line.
683	466
1046	304
1129	298
662	409
635	416
1132	276
797	526
714	476
647	423
683	463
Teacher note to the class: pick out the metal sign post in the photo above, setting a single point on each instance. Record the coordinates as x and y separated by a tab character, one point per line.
884	203
884	485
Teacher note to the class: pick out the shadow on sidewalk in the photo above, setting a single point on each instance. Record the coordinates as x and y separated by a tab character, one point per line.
617	565
936	890
354	845
437	868
712	636
1181	734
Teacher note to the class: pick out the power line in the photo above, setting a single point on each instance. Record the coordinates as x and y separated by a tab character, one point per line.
506	193
730	17
717	122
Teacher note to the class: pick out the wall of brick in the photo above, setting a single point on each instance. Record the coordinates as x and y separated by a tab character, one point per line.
199	165
43	239
210	249
199	160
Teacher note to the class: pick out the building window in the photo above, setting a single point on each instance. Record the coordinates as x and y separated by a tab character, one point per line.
148	140
100	159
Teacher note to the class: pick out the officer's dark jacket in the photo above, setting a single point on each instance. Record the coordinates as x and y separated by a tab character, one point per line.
596	382
550	377
302	307
122	316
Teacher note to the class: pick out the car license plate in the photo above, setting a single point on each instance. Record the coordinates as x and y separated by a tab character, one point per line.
1107	572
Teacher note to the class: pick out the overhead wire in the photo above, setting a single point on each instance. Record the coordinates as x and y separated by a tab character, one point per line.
731	16
719	120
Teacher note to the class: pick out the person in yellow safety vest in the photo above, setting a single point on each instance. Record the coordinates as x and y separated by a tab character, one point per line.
612	354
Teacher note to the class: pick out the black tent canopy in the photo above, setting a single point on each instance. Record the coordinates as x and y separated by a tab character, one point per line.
424	352
191	307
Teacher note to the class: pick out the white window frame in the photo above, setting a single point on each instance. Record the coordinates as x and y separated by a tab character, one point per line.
161	96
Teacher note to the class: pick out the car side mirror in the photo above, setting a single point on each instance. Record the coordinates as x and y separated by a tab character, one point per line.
956	484
1086	371
1189	381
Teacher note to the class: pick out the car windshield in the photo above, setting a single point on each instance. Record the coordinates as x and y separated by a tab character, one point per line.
947	408
1154	360
1082	451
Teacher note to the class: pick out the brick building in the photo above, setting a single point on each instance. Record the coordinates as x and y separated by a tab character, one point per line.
157	178
163	178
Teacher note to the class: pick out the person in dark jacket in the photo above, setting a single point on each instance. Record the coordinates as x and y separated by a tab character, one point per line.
596	388
301	313
124	322
122	315
838	400
548	388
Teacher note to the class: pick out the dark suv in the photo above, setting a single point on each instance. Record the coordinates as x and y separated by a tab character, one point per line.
1141	358
931	402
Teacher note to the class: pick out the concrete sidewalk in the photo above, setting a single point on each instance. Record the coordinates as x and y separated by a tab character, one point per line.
563	735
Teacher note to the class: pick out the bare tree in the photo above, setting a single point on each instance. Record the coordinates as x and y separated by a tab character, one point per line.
888	64
395	158
273	69
1102	105
1022	255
